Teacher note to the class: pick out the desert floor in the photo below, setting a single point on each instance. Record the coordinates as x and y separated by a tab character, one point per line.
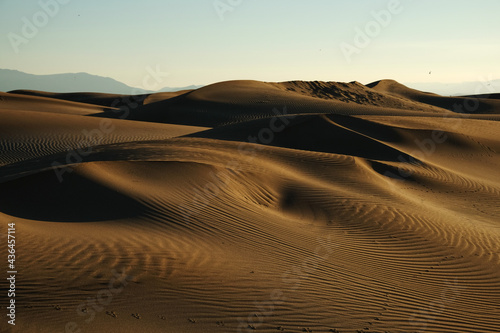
247	206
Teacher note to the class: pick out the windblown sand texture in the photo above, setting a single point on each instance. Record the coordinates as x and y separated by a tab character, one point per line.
247	206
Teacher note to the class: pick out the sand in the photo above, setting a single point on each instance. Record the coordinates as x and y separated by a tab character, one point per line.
248	206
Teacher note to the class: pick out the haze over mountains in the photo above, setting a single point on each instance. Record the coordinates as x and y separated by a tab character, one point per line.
459	89
84	82
71	82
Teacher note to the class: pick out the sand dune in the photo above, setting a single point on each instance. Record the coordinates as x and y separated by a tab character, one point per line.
477	104
11	101
247	206
110	100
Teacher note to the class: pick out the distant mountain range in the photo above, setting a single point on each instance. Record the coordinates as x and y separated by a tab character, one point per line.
84	82
458	89
70	82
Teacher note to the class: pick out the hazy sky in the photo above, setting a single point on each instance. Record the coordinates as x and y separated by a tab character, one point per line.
205	41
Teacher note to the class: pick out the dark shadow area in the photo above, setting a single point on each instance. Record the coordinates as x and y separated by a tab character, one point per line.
77	199
317	133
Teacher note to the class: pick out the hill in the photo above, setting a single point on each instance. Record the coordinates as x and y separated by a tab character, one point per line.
70	82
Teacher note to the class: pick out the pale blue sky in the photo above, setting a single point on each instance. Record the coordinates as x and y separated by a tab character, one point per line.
269	40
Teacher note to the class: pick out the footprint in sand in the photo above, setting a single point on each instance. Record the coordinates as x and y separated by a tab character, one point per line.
112	314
